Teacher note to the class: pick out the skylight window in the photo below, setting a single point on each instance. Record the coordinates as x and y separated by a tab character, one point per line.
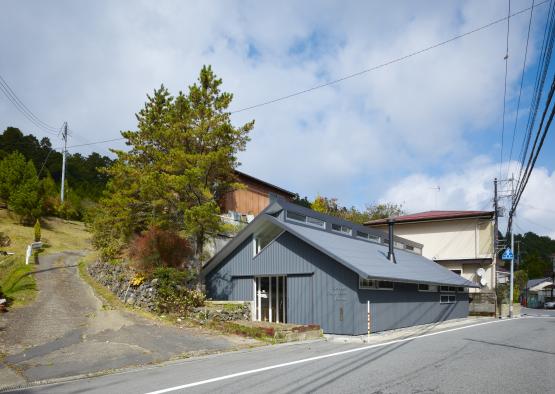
297	217
341	229
363	235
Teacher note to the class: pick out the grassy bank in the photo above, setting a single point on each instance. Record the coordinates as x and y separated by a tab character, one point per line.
57	234
17	281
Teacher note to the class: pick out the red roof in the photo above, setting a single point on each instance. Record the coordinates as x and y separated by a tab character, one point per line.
433	215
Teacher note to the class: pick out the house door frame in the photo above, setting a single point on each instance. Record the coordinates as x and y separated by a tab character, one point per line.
270	298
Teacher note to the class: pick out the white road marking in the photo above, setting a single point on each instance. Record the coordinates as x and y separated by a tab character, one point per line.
305	360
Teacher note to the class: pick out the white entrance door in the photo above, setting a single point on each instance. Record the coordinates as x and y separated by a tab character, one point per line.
270	301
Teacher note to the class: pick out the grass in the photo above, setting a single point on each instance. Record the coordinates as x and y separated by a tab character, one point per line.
57	234
16	281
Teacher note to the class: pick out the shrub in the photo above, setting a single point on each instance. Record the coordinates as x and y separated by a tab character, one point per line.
159	248
174	292
37	231
5	241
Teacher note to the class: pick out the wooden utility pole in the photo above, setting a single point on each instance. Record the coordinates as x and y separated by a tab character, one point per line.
64	136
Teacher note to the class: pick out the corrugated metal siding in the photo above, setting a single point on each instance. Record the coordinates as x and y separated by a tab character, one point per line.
219	284
404	307
241	289
318	288
300	299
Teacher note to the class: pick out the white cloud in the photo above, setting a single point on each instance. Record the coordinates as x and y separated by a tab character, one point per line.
471	188
93	63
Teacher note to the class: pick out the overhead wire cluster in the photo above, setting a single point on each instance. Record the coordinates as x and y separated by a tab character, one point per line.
529	155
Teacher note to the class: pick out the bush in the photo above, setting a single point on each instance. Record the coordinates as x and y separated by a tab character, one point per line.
174	292
37	231
5	241
159	248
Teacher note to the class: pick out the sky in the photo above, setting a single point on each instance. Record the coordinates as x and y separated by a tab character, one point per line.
424	132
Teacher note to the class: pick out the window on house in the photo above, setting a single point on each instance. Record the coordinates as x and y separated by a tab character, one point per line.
426	287
447	299
448	289
373	284
363	235
409	247
264	238
297	217
460	289
341	229
458	272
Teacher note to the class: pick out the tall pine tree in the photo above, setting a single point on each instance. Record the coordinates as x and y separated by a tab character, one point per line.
179	166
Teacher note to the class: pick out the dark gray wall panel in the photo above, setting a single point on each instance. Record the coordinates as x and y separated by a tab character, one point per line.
300	299
322	291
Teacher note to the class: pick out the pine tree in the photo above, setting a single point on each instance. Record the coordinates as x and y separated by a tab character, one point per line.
25	200
12	168
179	166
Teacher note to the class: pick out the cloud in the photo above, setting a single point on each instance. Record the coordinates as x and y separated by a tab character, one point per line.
471	188
93	63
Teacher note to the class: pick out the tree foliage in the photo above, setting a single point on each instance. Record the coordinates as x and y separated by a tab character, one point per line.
24	199
535	254
179	165
331	206
86	182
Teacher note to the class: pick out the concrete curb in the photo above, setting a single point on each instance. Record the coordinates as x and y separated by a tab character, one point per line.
385	336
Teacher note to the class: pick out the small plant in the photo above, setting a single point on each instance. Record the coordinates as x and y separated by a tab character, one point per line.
5	241
137	280
37	231
174	294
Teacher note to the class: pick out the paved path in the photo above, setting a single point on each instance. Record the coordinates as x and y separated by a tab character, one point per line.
499	356
67	332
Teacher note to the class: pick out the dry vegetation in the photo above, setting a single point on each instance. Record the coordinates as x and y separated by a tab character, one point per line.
16	278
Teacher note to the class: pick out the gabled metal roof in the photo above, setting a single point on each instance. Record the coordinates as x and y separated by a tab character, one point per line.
367	259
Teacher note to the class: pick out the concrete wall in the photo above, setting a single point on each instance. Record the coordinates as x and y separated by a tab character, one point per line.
450	239
322	291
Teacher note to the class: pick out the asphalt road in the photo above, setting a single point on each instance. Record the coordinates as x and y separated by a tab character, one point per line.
503	356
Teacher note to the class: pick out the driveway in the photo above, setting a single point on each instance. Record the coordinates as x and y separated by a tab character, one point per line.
67	332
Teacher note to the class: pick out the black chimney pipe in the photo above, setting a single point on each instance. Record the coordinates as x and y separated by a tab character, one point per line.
391	254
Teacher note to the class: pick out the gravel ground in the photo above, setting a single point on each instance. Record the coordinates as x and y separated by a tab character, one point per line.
66	332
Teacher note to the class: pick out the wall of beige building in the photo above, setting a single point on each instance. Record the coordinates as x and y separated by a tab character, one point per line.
457	239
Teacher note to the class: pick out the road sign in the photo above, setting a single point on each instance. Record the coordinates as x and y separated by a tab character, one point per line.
507	255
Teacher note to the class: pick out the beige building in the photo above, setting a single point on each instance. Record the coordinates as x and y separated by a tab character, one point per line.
461	241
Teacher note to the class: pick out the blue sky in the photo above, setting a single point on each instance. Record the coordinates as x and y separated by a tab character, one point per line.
393	134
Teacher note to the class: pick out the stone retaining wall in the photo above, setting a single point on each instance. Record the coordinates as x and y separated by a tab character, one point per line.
118	277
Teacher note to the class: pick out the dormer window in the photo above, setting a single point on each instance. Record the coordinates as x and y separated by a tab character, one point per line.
363	235
341	229
297	217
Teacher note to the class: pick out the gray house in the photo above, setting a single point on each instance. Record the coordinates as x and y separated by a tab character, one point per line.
299	266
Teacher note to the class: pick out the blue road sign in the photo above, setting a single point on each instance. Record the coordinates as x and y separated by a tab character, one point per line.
507	254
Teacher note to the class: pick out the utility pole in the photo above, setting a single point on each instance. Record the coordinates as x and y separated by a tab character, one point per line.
513	255
64	136
496	220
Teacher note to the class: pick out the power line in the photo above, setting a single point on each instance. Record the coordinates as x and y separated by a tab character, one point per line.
541	74
44	162
520	90
390	62
96	142
534	154
23	109
505	87
382	65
